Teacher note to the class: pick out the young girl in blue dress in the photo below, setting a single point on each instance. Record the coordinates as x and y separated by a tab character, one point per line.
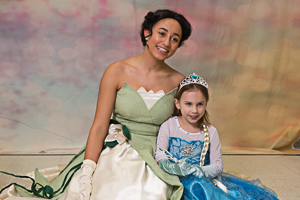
189	146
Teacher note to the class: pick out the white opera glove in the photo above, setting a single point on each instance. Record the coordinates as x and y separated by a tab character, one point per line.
85	188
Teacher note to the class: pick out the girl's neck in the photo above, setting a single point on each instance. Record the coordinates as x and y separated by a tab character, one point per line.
191	128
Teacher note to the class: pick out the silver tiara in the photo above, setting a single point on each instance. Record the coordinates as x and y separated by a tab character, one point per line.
193	78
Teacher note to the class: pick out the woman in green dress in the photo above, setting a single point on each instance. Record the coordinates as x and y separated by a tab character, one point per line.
139	91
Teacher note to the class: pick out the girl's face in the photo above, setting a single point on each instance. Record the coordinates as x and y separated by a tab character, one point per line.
192	105
165	38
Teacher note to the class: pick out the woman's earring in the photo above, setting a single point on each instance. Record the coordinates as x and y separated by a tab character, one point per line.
147	34
147	37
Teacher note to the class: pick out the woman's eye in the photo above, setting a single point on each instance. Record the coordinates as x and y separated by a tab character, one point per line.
175	39
162	33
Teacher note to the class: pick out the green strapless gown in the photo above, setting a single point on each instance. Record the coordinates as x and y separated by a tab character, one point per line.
129	171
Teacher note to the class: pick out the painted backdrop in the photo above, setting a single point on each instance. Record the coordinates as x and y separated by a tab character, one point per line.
54	52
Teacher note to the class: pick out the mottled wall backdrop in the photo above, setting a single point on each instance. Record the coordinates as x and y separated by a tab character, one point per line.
54	52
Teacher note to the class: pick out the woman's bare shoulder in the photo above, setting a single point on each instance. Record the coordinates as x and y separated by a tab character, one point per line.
117	68
121	65
176	76
118	71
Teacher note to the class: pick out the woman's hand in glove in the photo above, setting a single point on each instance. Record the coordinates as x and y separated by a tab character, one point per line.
87	169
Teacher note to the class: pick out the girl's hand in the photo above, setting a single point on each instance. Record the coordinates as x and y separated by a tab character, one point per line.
181	168
85	188
199	172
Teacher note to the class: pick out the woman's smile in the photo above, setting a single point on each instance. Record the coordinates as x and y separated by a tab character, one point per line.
162	49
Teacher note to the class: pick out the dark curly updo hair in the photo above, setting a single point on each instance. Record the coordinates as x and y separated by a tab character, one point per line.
153	17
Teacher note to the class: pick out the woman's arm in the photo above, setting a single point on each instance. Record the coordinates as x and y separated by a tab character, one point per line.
106	98
105	104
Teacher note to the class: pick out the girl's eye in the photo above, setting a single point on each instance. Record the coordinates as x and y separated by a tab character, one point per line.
162	33
188	104
200	104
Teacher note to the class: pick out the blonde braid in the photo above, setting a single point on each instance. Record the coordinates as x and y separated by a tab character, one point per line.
205	145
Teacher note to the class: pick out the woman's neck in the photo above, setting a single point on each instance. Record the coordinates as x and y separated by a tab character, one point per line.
148	62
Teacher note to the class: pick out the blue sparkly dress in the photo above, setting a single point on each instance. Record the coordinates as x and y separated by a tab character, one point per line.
182	144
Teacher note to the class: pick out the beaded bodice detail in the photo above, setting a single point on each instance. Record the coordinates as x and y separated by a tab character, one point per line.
180	149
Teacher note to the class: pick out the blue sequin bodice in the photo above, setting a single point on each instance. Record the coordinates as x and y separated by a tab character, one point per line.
180	148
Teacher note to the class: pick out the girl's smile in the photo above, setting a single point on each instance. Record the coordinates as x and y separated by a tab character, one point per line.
194	117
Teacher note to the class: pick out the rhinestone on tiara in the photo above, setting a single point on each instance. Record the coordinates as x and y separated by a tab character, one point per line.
193	78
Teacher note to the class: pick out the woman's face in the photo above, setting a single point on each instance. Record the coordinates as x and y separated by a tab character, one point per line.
165	38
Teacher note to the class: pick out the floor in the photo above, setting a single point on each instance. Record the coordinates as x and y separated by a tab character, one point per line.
279	172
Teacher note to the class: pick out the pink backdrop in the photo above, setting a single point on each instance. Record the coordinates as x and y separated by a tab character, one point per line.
53	54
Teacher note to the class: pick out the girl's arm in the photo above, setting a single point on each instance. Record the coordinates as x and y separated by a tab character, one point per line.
179	168
105	104
216	162
162	141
